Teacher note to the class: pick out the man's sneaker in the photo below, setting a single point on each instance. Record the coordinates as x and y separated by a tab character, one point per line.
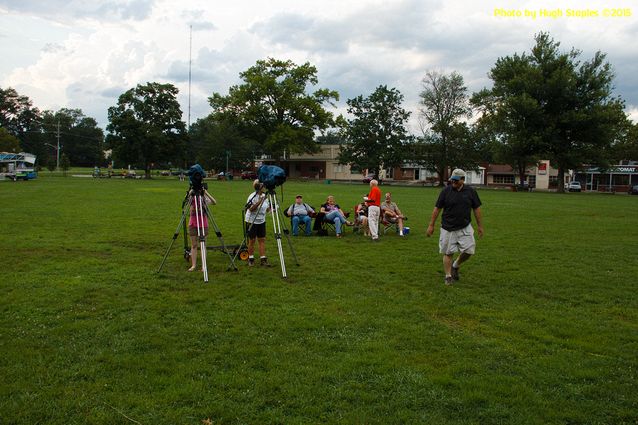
264	263
251	262
448	280
455	273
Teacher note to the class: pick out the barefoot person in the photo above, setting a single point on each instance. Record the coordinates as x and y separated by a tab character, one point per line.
457	235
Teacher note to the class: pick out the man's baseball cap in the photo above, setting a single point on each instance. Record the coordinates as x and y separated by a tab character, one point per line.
298	196
457	174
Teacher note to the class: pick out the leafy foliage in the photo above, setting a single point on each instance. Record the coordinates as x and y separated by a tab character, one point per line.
627	147
549	103
17	114
80	137
65	163
376	137
8	142
146	126
447	140
271	106
21	119
215	141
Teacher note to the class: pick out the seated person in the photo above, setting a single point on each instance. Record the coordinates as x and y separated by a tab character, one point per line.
334	214
361	216
391	213
300	212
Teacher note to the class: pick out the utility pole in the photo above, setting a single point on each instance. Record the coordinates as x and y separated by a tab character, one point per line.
57	163
190	64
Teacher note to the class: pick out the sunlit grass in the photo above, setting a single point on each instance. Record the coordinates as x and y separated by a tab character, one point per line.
542	328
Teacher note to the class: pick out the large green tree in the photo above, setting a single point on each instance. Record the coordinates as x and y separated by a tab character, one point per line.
626	149
80	137
21	119
508	116
217	143
446	140
146	126
273	108
550	103
8	142
375	136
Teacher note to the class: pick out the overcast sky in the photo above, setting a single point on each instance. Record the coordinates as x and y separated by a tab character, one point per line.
81	54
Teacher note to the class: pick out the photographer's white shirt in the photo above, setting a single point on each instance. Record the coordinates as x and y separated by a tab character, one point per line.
259	215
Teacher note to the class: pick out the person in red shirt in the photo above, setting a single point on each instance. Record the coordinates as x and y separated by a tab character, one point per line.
374	209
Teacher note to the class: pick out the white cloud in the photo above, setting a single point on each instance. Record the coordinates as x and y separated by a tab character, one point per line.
83	55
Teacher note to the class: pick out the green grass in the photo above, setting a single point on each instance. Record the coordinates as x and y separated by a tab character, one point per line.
542	328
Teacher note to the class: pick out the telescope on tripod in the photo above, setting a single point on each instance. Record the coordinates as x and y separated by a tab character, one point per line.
270	177
195	205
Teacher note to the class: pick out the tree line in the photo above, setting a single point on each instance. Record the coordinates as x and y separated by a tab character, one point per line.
543	104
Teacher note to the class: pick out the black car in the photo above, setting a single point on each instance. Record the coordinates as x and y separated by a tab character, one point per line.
633	190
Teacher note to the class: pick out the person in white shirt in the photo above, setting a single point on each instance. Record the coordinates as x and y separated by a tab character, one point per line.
257	206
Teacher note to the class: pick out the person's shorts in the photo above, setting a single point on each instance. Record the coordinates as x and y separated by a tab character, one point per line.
192	230
256	231
457	241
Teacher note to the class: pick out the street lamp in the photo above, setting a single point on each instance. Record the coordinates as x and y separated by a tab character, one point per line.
57	153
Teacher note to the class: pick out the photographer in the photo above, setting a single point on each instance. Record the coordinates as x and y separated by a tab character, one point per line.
257	205
198	223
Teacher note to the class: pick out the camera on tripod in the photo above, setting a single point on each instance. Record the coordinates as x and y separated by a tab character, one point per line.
196	176
271	176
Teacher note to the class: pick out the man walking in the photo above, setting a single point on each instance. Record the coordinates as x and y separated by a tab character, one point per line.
374	209
457	235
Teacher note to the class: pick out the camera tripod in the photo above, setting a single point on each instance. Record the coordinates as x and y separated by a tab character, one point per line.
278	228
195	199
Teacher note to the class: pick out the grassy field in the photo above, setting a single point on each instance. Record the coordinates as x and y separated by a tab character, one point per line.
542	328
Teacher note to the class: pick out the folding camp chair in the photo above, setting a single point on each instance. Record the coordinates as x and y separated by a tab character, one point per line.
389	225
323	227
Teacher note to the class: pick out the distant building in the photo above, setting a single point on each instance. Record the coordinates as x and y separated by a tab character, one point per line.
618	178
325	165
541	176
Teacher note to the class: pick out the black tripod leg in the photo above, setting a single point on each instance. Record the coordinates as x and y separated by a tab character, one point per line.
218	232
287	233
181	224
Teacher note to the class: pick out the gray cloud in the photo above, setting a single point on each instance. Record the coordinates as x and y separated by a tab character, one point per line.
203	26
195	19
68	10
469	44
304	33
53	48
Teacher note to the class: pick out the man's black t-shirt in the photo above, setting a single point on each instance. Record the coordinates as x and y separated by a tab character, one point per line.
457	207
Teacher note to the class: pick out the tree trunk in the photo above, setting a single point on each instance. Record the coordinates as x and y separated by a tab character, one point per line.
521	172
442	172
147	171
561	180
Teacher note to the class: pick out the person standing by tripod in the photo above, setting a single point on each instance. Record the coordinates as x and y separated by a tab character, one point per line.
257	206
198	221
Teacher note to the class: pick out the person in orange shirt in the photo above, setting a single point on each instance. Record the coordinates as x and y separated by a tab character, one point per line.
374	209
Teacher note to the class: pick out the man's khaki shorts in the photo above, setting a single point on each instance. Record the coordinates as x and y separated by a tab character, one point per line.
457	241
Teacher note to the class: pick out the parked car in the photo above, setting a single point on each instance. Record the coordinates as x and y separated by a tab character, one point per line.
633	190
248	175
574	186
178	171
